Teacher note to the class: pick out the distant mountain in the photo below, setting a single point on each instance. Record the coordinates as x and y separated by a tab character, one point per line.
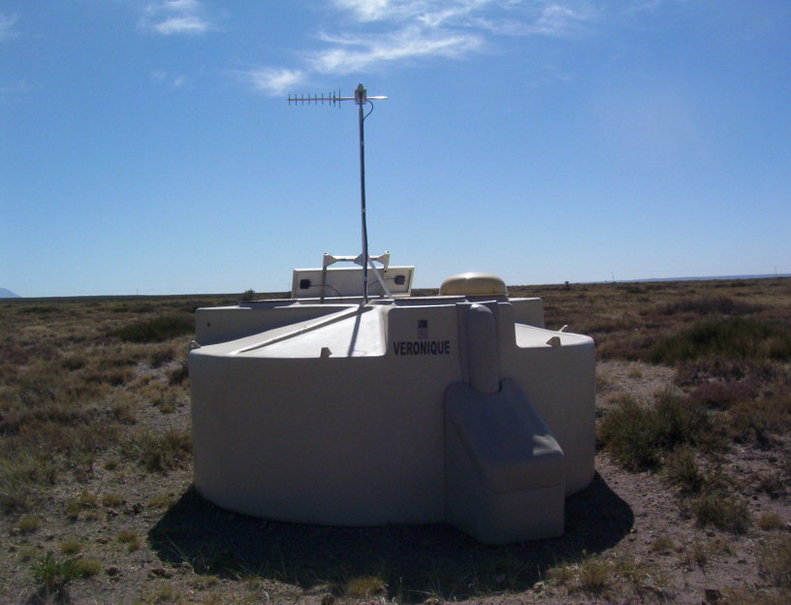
7	294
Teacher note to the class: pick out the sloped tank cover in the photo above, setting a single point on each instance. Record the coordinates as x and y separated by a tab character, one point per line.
473	284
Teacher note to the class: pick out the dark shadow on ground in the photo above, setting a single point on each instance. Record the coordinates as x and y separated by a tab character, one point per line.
414	561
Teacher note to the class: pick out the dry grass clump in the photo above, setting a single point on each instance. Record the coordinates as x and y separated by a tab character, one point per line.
365	586
160	452
755	421
112	500
682	470
774	559
21	476
83	506
722	510
770	521
71	547
663	545
600	577
131	539
28	524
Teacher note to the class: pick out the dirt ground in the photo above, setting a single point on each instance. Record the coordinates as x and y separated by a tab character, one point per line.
155	540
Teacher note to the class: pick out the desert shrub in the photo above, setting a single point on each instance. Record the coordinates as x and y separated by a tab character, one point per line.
594	575
721	395
365	586
631	346
161	356
85	501
248	295
78	440
160	453
633	289
721	510
73	363
626	432
20	475
770	521
179	374
131	539
158	329
709	305
87	568
28	524
41	310
123	412
112	500
663	545
736	338
750	372
695	554
71	547
54	574
756	420
638	437
681	469
774	559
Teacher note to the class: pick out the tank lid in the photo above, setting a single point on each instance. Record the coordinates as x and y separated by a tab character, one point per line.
473	284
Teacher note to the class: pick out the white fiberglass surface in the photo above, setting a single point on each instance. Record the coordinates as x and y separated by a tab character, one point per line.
530	336
360	335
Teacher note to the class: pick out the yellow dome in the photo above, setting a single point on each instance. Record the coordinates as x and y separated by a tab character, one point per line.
473	284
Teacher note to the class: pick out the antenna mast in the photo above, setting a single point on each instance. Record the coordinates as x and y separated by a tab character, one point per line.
361	99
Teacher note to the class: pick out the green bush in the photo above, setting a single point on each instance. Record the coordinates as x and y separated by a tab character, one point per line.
639	437
735	338
54	575
158	329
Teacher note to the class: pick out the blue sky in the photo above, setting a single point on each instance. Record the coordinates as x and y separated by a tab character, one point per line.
147	146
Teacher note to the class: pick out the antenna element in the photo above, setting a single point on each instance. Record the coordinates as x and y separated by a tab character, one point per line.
360	99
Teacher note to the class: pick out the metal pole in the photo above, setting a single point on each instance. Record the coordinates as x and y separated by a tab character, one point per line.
360	99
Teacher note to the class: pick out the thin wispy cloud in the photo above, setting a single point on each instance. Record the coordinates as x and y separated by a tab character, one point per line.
174	17
355	53
272	81
168	79
372	33
7	24
431	13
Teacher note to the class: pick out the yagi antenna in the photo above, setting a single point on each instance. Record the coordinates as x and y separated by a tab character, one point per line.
360	98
